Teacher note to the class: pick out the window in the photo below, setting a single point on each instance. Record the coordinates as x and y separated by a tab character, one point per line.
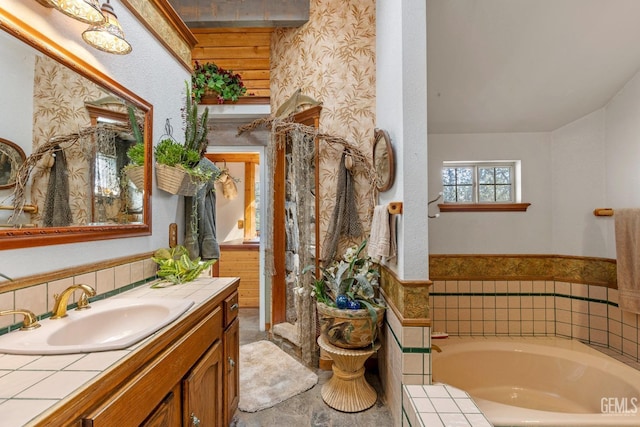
478	183
107	182
481	186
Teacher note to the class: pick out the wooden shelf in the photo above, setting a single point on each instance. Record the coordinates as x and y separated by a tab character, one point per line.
244	100
483	207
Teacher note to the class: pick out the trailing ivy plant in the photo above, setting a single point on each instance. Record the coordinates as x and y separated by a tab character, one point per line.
209	77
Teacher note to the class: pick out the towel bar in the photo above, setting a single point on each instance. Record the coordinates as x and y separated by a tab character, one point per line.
26	208
603	212
395	208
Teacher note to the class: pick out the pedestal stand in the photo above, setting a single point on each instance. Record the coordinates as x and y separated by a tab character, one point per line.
347	390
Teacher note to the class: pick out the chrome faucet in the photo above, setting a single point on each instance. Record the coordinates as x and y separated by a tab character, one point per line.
61	301
29	322
436	348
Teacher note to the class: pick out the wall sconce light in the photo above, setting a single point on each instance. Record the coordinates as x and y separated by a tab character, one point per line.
87	11
108	35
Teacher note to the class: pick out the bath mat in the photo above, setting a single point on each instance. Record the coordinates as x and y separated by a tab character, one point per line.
269	376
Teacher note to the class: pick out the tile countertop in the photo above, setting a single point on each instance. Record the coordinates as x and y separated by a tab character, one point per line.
440	405
32	386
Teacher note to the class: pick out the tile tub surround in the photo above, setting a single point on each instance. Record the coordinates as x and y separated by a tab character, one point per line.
439	405
589	313
526	295
404	358
33	386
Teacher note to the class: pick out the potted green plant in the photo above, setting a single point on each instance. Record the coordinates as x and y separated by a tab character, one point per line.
177	167
350	311
175	266
208	78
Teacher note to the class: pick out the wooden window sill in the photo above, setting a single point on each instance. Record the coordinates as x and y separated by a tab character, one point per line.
483	207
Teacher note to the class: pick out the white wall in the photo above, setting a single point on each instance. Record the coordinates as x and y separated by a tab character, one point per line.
150	72
228	212
578	187
16	86
401	109
593	162
494	232
622	153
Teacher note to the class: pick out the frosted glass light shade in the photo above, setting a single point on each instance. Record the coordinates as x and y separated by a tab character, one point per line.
107	36
83	10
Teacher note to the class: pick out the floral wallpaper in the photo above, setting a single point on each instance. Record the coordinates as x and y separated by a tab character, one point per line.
59	109
332	59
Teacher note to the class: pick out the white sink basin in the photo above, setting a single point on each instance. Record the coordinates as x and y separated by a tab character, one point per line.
109	324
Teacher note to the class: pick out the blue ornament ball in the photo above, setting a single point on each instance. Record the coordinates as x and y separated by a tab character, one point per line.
342	301
353	305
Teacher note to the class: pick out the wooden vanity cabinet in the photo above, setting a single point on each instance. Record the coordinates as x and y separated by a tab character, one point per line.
168	412
180	379
231	339
210	393
202	391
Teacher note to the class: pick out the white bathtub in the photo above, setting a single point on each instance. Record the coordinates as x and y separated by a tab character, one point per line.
540	381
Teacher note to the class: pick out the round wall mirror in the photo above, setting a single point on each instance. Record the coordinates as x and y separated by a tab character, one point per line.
11	158
383	162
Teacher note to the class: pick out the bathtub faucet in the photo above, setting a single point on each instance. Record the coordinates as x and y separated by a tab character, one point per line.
436	348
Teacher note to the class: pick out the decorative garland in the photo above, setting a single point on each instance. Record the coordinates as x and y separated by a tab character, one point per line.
281	127
49	147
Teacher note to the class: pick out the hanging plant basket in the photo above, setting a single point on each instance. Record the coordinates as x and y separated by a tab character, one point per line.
136	175
176	180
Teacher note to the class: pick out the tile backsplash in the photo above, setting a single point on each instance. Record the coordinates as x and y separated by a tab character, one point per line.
38	298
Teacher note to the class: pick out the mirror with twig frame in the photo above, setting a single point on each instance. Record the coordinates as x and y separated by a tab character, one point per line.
74	124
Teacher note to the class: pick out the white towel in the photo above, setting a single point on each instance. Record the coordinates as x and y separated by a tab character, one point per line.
627	229
380	238
393	247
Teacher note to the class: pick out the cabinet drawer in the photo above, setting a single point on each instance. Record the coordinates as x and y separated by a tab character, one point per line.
230	307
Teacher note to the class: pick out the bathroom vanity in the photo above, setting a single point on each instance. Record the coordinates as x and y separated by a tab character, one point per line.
184	374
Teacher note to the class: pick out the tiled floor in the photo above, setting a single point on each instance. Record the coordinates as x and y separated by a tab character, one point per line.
308	408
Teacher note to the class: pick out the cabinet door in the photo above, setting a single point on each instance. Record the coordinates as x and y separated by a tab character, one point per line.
231	339
167	413
202	391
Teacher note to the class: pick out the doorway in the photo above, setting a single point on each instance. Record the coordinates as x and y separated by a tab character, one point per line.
238	223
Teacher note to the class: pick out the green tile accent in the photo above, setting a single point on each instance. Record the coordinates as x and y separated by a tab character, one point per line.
425	350
106	295
529	294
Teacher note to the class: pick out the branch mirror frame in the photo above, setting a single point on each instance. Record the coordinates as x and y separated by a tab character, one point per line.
11	158
383	160
14	238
